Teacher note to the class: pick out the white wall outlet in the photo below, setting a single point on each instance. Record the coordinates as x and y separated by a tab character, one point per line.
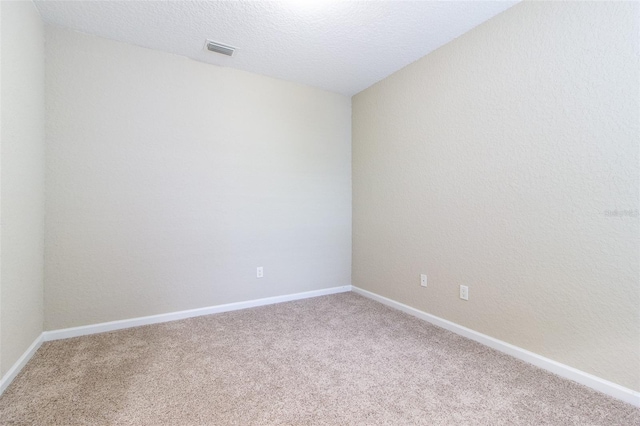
464	292
423	280
259	272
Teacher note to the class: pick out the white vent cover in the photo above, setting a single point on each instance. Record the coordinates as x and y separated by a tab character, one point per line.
214	46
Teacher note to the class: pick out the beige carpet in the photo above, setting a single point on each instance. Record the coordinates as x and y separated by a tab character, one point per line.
333	360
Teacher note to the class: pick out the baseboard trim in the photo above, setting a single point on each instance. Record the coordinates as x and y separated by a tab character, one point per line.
609	388
153	319
601	385
104	327
19	365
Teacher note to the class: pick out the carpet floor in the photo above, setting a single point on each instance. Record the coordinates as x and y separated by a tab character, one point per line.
333	360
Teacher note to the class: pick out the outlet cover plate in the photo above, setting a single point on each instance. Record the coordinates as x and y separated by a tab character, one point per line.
423	280
464	292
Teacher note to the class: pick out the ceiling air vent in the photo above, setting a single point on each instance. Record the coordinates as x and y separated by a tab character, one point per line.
220	48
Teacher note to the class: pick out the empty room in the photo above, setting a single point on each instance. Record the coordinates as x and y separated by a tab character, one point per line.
319	212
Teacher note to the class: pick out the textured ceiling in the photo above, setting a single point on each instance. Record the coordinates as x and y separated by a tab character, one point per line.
341	46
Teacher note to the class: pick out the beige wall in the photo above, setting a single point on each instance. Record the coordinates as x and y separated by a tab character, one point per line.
21	180
169	181
493	163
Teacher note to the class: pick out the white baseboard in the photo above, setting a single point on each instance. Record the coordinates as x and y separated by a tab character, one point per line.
20	363
173	316
609	388
154	319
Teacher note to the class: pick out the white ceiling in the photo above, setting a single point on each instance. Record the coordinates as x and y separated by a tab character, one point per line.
341	46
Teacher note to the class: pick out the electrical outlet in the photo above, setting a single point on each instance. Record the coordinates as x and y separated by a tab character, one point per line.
464	292
423	280
259	272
